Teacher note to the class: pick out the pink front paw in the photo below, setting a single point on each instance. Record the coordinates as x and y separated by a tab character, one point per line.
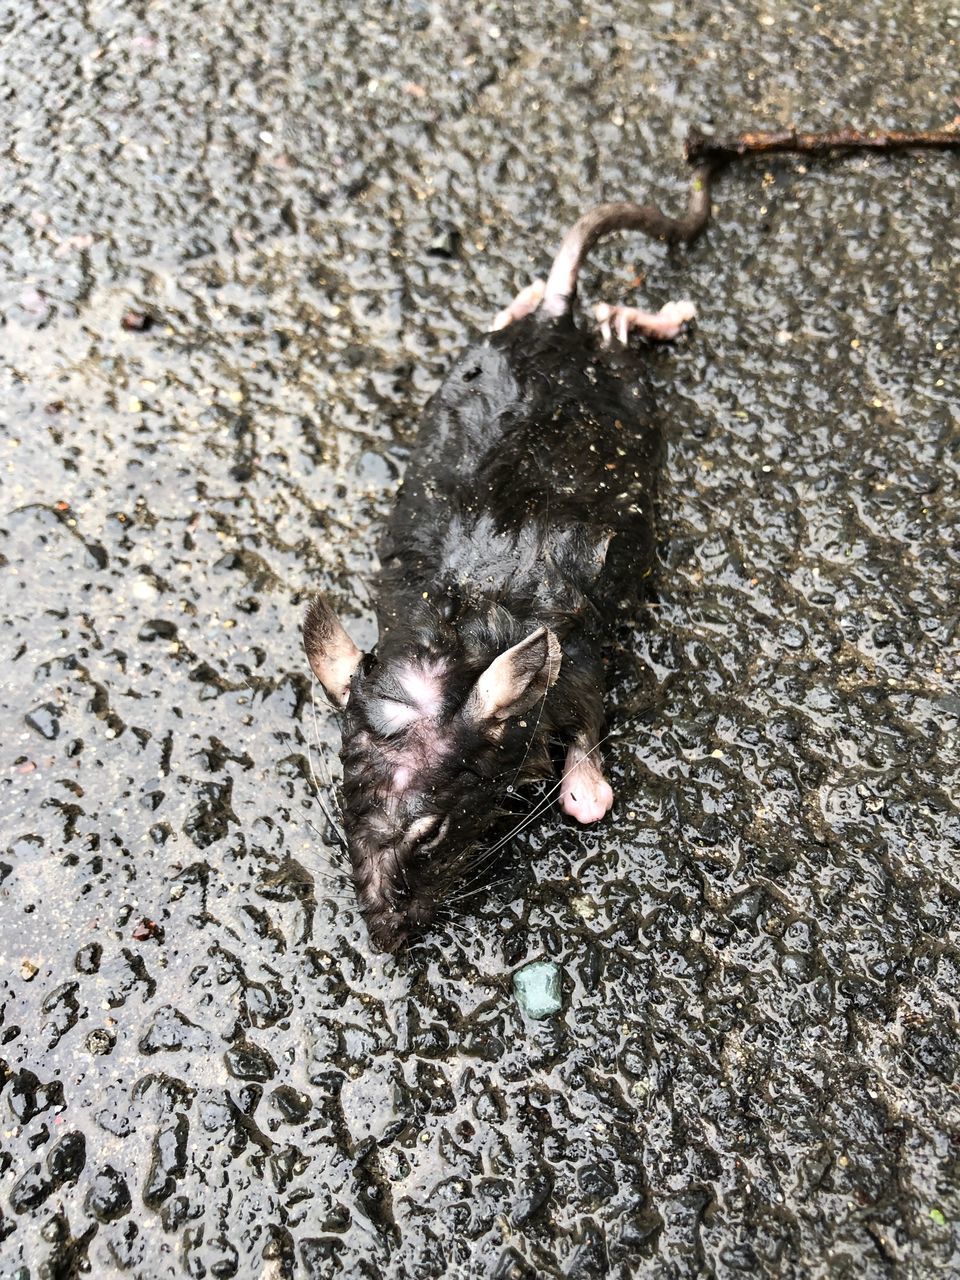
586	795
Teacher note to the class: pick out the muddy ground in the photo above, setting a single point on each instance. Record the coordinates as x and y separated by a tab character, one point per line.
206	1071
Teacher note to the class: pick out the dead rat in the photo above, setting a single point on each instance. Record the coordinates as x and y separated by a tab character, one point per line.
524	523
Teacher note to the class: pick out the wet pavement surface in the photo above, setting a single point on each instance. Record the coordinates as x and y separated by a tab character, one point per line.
205	1070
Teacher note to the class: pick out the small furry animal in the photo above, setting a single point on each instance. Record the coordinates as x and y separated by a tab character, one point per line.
524	522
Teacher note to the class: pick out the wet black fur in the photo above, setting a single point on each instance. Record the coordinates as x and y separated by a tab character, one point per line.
528	502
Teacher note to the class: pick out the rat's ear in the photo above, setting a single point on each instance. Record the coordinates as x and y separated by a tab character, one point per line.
333	655
515	680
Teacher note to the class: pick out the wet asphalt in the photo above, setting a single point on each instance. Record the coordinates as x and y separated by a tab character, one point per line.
303	210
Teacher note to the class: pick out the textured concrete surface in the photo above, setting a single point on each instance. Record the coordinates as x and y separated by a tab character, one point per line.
205	1070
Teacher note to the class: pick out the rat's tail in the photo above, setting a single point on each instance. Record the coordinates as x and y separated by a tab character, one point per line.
709	154
561	284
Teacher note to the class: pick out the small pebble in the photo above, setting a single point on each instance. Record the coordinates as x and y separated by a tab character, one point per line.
157	629
445	242
136	321
146	930
537	988
99	1042
45	720
28	970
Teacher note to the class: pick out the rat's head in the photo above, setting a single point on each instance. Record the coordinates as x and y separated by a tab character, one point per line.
432	735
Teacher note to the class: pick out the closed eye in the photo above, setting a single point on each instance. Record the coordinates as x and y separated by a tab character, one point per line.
426	833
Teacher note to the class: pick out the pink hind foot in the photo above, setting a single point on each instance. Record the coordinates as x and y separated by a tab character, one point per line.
664	324
527	300
585	794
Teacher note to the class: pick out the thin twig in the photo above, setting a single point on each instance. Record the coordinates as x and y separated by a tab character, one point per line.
701	149
710	154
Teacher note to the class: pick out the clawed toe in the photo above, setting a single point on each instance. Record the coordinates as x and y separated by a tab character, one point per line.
526	301
664	325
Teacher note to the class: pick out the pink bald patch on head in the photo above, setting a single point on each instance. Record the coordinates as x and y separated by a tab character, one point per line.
397	715
422	686
409	760
401	778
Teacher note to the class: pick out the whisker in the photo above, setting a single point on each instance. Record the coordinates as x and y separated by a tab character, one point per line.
316	729
316	783
513	780
545	801
490	886
245	681
325	851
331	877
487	856
456	927
315	830
420	943
326	812
313	827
